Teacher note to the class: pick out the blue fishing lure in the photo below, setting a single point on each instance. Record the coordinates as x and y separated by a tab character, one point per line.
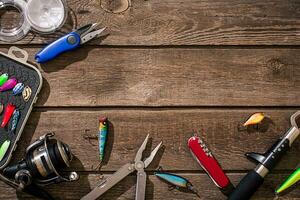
173	179
18	89
15	120
176	181
102	136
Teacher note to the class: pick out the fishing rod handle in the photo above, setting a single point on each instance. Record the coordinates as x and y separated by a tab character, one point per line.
247	186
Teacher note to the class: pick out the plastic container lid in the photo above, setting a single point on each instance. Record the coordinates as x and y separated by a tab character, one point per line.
18	32
46	16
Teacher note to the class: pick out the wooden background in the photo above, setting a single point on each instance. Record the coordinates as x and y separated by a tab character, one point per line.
166	68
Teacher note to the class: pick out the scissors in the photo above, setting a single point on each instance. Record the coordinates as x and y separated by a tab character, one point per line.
68	42
139	165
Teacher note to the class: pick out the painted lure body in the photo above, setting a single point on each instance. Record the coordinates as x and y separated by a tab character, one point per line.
292	179
8	111
18	89
3	79
175	180
102	136
15	119
8	85
3	149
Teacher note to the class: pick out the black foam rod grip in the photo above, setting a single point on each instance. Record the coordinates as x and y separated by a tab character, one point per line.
247	186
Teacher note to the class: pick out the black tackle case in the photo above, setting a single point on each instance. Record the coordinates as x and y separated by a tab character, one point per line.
25	73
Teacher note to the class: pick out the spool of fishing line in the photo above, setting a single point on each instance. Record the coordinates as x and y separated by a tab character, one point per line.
13	29
46	16
42	16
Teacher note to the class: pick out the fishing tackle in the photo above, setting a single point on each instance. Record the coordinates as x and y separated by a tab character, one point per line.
209	163
3	78
3	149
266	162
42	164
256	118
102	136
26	93
8	111
291	180
15	119
176	181
18	89
8	85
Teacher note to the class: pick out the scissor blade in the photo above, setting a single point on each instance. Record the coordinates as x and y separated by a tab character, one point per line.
139	154
108	183
152	155
140	185
91	35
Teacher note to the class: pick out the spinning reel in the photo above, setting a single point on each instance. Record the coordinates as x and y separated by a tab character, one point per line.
43	159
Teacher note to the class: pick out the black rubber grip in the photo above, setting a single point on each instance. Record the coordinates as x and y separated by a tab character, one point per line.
247	186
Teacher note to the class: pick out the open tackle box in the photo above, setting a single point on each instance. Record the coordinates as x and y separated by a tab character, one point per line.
16	68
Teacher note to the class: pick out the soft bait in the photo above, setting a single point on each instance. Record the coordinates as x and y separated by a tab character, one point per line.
3	149
102	136
8	85
175	180
209	163
26	93
8	111
256	118
15	119
18	89
3	79
292	179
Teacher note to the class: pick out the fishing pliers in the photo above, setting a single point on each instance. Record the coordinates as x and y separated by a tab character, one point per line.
139	165
68	42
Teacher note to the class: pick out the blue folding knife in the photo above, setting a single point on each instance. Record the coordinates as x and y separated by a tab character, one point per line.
68	42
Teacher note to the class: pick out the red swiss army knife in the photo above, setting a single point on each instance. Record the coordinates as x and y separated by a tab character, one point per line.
211	166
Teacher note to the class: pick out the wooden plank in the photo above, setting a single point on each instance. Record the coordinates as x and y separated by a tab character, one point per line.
181	22
155	189
128	128
172	77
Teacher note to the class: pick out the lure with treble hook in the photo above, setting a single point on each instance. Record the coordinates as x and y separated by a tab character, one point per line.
102	136
292	179
176	181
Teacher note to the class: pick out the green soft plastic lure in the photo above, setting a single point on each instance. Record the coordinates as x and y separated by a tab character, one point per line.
3	149
3	79
292	179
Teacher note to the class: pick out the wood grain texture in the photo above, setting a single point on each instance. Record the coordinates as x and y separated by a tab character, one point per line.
155	189
192	22
128	128
172	77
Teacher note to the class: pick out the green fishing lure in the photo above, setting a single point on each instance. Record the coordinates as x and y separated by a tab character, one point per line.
3	149
3	79
292	179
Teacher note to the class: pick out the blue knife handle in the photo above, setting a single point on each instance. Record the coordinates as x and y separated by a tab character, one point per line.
66	43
